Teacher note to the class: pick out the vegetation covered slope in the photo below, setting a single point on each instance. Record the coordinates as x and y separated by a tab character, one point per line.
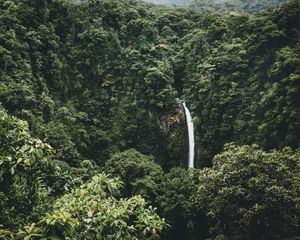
248	6
170	2
98	81
243	83
87	76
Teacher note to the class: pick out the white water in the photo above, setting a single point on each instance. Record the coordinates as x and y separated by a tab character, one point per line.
190	126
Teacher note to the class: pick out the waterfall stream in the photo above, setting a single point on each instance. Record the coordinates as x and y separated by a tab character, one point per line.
190	127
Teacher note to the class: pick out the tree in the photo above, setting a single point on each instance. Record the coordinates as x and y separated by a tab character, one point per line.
139	172
27	173
252	194
92	212
176	200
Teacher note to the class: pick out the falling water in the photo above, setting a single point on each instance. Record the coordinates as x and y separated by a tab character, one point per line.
190	126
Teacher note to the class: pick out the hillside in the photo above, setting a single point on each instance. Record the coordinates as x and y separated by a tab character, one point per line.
170	2
222	5
93	136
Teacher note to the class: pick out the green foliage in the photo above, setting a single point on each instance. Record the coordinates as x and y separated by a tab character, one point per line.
252	194
95	78
176	200
67	69
139	172
248	6
138	128
27	175
240	80
170	2
91	212
245	6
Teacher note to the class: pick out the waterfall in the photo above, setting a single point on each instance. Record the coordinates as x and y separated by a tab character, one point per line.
190	127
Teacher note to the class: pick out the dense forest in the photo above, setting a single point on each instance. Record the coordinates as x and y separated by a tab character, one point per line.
169	3
246	6
93	138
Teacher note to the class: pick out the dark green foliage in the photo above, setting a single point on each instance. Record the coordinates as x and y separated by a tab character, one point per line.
176	200
241	80
68	68
95	78
30	180
100	84
252	194
139	172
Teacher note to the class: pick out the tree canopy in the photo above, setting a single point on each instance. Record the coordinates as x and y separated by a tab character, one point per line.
93	138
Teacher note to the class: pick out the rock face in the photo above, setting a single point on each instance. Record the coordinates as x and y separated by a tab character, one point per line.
173	130
168	122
